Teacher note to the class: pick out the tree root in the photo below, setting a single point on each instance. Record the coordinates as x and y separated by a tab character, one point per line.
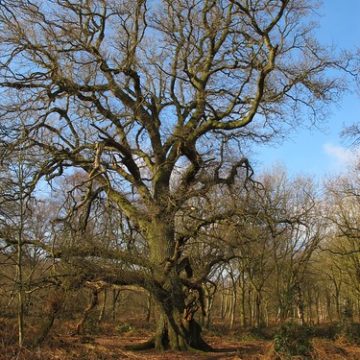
150	344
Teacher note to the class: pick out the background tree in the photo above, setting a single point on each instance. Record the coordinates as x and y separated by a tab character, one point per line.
343	241
15	218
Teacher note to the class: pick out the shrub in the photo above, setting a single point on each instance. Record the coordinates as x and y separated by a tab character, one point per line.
327	331
350	333
263	333
293	340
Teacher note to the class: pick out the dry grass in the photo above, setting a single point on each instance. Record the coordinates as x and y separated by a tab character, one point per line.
326	349
109	345
112	347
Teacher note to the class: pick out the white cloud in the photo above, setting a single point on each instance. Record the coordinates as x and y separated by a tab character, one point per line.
342	156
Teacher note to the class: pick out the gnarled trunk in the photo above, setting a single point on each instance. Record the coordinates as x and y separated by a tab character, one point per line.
176	328
175	332
176	304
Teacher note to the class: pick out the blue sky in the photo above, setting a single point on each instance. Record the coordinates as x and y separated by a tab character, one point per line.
321	152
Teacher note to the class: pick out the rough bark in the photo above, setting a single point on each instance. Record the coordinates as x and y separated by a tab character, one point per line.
115	297
148	309
176	327
243	299
259	319
175	330
103	308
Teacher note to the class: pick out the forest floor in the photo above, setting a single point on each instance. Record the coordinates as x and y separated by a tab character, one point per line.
113	347
109	346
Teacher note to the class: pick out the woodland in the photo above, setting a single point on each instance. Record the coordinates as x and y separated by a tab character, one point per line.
132	222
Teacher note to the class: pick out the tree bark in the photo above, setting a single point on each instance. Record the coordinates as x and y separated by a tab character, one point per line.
103	307
209	301
176	327
222	307
232	309
250	308
148	309
259	322
328	307
115	297
243	300
317	305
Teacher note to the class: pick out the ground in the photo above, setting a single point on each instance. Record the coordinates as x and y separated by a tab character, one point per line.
106	344
114	347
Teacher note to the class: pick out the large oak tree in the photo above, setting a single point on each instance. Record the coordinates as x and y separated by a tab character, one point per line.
145	97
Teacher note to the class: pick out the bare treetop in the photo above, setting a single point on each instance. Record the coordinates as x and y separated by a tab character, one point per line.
133	86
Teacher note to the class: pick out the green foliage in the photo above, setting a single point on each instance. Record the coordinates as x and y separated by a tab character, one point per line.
327	331
294	340
263	333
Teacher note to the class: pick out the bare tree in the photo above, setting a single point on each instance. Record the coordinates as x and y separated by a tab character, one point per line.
15	172
343	237
142	96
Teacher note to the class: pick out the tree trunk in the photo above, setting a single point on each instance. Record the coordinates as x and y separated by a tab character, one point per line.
232	309
176	327
103	308
178	333
317	305
250	323
228	306
337	303
177	305
234	300
148	309
328	307
258	310
243	300
222	307
19	265
309	306
115	297
209	301
337	298
266	313
301	306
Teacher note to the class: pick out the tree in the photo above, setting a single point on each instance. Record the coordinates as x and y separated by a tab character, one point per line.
145	97
15	172
343	237
292	216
